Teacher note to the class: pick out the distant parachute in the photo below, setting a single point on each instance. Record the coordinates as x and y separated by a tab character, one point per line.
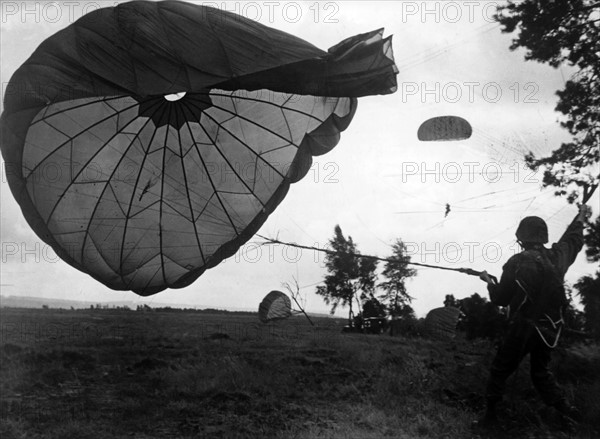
444	128
275	306
147	142
441	322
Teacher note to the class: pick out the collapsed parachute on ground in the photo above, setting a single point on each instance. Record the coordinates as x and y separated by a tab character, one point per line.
444	128
275	306
441	322
147	142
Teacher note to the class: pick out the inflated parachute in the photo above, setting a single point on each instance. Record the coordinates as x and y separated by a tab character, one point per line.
147	142
441	322
444	128
275	306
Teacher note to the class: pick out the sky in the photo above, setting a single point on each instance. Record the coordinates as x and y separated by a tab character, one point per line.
380	183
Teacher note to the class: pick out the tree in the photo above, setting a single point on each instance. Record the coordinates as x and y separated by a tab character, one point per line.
348	274
395	296
588	287
589	292
564	32
592	241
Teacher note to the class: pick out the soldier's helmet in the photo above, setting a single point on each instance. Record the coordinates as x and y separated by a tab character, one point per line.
532	229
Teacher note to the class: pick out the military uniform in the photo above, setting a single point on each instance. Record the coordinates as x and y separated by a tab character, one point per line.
531	286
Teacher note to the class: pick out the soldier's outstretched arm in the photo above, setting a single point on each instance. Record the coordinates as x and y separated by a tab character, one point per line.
571	242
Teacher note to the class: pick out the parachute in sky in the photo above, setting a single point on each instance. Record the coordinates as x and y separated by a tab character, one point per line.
444	128
275	306
147	142
441	322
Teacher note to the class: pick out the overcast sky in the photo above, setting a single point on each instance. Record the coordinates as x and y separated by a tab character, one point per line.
380	183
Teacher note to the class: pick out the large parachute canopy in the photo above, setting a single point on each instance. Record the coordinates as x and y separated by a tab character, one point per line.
441	322
444	128
147	142
275	306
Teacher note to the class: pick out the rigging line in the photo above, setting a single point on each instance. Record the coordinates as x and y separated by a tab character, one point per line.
521	147
416	212
493	193
530	203
161	205
428	57
506	153
433	51
442	172
101	195
488	209
282	106
301	228
537	208
487	135
240	141
289	142
532	146
67	109
366	227
498	207
468	271
187	188
121	131
460	209
169	179
457	174
212	183
71	138
122	255
310	285
228	162
414	196
557	212
493	142
441	223
235	114
369	230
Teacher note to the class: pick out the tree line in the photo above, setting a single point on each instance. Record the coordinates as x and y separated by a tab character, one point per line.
353	282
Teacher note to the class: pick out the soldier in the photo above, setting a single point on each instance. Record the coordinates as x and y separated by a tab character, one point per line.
532	289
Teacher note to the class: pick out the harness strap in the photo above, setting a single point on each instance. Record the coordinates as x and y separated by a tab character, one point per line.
553	345
555	324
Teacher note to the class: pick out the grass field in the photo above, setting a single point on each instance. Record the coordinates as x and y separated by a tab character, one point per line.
116	373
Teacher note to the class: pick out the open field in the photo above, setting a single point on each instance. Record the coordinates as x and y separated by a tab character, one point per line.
116	373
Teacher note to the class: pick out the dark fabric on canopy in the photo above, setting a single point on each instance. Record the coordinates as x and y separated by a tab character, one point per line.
441	322
143	193
444	128
275	306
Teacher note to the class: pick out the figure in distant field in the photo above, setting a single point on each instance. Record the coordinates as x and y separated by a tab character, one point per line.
532	289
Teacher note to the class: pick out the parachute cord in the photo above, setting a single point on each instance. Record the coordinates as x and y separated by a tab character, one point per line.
553	345
468	271
526	295
559	323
